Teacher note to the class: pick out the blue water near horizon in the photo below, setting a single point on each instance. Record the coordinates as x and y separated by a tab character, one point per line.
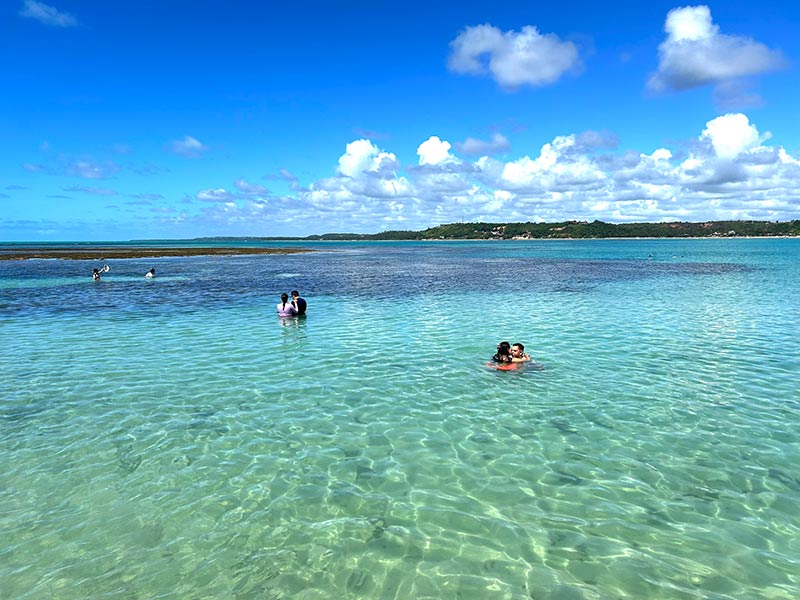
174	439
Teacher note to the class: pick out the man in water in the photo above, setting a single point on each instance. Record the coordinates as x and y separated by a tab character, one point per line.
151	273
518	353
96	274
298	303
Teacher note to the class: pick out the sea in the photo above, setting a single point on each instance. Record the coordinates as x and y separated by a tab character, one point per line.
174	439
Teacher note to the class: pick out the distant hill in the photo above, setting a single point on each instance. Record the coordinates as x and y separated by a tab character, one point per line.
579	230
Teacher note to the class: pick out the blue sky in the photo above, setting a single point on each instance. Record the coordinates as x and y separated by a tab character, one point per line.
129	120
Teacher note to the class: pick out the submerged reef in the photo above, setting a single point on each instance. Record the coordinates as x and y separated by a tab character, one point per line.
103	253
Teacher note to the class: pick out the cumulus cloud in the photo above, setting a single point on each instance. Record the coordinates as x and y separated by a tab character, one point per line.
726	171
434	151
731	134
188	147
695	53
513	59
475	147
362	156
46	14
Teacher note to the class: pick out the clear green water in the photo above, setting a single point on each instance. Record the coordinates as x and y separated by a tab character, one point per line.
174	439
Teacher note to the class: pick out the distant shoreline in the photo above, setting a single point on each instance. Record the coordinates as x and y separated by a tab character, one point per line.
105	253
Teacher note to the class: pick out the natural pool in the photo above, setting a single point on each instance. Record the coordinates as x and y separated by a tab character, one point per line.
173	439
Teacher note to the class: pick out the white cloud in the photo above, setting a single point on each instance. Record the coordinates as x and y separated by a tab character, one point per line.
252	189
513	58
47	14
434	151
557	167
188	147
216	195
731	134
695	53
726	171
363	156
475	147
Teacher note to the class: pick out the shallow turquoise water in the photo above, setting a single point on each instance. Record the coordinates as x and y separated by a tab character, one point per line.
174	439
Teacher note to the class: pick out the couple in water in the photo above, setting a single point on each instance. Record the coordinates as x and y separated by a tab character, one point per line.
295	308
508	354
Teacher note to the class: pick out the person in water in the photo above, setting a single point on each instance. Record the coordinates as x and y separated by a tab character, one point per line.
286	308
518	353
151	273
503	354
299	303
96	274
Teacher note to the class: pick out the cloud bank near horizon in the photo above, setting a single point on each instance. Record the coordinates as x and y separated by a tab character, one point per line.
726	172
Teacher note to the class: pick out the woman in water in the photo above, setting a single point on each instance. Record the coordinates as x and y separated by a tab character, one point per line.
503	353
286	308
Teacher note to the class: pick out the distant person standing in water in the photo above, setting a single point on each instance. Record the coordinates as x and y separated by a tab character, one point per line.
151	273
286	308
96	272
299	303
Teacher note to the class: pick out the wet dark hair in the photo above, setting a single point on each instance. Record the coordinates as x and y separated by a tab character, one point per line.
503	352
521	347
284	299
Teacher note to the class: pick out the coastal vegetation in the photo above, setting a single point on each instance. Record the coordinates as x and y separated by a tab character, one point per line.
581	230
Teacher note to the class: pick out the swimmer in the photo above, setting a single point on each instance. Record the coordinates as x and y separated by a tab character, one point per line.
503	354
518	354
286	308
151	273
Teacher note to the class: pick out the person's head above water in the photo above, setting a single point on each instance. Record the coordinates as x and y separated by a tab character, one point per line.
284	298
503	350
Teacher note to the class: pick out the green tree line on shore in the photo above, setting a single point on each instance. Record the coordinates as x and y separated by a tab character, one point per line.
580	230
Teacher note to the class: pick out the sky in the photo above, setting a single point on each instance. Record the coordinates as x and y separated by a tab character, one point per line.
160	120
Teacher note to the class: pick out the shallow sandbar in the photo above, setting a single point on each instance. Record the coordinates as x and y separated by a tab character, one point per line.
104	253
